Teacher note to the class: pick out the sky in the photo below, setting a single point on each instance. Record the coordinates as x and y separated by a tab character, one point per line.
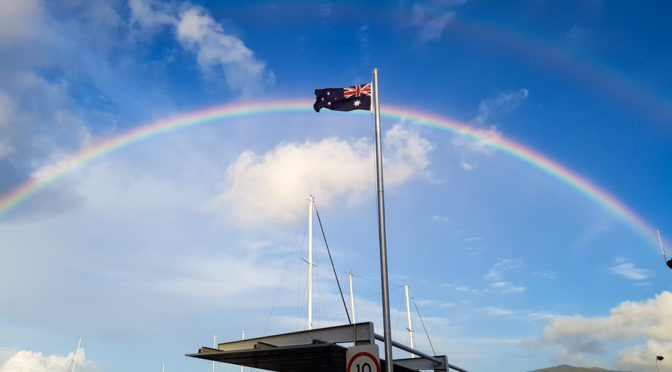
156	159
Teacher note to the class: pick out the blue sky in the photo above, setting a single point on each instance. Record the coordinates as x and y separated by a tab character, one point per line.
149	250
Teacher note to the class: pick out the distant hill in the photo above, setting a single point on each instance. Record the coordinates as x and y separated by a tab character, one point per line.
566	368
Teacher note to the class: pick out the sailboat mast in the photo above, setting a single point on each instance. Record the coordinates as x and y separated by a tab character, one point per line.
352	300
661	244
408	317
243	337
311	200
214	346
74	357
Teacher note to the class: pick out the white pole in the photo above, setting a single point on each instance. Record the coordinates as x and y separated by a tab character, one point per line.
381	231
410	326
74	358
214	346
163	367
661	245
243	337
311	200
352	300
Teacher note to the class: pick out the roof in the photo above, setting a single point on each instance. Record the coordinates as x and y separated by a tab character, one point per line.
325	357
313	350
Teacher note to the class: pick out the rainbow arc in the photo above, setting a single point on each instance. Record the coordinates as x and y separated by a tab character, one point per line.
50	173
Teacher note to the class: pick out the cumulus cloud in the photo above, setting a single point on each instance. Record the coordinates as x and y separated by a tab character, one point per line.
148	15
273	186
631	321
20	22
66	67
216	49
639	357
29	361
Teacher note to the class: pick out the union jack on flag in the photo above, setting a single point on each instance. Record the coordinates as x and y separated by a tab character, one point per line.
357	97
357	91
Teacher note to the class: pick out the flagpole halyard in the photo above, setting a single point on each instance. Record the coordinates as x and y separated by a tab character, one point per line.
381	229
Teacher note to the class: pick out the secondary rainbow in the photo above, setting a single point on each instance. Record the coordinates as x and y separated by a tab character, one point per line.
52	172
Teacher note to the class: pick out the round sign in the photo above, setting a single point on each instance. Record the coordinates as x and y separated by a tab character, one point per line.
363	362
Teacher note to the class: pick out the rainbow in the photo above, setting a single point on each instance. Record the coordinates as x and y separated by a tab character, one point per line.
50	173
589	73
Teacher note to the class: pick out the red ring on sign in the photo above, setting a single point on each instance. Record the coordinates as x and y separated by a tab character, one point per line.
364	353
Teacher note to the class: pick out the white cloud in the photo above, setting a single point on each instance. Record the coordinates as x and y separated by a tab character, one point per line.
649	320
641	357
496	276
628	270
497	311
149	15
502	265
20	22
483	147
506	287
467	166
29	361
431	26
489	112
432	17
215	48
546	274
491	109
441	219
274	186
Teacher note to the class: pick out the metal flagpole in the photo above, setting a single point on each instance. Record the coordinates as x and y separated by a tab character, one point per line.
381	231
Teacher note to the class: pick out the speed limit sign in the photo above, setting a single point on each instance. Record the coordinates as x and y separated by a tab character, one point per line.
363	358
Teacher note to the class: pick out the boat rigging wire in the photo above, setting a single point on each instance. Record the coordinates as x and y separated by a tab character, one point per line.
332	264
423	325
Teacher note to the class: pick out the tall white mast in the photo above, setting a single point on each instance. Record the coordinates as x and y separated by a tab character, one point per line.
214	346
163	367
661	245
352	300
408	317
74	357
243	337
311	200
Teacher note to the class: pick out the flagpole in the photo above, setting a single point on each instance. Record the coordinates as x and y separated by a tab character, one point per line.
381	230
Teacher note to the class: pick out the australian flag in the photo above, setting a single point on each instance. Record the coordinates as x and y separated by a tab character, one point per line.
357	97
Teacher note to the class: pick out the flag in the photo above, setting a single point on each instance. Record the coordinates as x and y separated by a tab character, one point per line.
357	97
